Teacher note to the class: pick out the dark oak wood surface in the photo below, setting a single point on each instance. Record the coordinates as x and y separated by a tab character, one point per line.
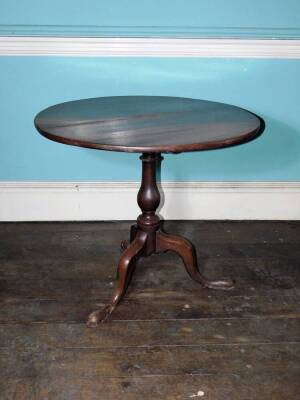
169	339
154	124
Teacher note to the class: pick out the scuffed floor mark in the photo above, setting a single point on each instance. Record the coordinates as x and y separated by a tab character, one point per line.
200	393
186	329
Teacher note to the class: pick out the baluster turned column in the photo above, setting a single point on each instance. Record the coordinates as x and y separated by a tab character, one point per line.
148	199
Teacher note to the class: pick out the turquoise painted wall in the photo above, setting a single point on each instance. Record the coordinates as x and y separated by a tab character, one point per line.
269	88
255	18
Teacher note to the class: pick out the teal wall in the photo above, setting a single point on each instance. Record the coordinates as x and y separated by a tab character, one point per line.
255	18
269	88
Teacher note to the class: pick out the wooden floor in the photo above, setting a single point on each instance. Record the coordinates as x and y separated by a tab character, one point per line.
170	339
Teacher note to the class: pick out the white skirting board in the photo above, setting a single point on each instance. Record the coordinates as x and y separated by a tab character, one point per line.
92	201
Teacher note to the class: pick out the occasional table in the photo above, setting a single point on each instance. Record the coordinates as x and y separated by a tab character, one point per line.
150	125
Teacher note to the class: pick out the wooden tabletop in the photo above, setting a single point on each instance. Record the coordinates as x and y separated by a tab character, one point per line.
153	124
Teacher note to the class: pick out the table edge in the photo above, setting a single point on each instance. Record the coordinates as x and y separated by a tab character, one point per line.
187	147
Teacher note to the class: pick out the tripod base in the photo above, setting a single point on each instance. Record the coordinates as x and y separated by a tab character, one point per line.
146	238
138	247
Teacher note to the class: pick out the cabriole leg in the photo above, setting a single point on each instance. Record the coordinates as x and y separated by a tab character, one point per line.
186	251
124	272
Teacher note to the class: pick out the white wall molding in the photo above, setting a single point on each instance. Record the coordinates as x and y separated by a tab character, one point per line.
148	47
67	201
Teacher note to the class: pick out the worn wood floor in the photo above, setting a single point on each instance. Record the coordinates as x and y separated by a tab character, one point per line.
170	339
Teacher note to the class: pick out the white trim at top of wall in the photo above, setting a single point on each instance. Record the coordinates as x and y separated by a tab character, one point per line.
149	47
92	201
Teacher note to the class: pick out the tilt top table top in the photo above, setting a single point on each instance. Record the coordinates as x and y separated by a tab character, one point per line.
150	125
142	124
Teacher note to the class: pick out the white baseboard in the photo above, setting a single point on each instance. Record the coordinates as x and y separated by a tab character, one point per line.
148	47
88	201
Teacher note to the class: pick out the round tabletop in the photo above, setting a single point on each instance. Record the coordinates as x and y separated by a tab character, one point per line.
153	124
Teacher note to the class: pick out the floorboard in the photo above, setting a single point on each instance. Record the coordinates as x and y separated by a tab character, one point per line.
169	339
